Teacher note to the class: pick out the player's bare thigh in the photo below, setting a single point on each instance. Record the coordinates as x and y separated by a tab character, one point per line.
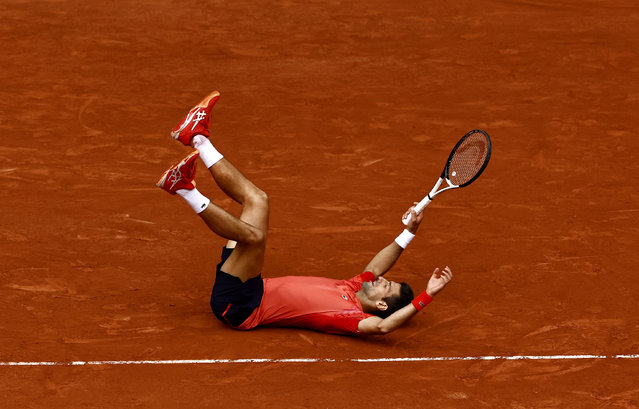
247	258
246	261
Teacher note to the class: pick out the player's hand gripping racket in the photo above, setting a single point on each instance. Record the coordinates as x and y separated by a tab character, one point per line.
464	165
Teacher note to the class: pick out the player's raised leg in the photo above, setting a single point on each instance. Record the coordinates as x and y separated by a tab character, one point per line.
247	259
250	230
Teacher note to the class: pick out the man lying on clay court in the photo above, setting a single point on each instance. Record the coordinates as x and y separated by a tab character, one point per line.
241	298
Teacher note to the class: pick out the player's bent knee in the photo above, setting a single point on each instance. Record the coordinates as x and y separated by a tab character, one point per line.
260	198
256	237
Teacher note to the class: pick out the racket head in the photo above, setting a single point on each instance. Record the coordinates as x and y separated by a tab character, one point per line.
468	159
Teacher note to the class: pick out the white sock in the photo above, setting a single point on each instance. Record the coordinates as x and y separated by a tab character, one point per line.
209	155
195	199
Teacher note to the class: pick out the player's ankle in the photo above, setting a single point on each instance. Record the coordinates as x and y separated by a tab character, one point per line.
209	155
195	199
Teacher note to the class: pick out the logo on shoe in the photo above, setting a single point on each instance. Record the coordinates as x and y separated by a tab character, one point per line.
200	115
196	115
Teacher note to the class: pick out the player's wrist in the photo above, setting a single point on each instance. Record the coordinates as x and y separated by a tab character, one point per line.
412	226
421	301
404	238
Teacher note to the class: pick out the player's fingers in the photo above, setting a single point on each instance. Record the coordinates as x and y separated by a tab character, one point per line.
443	274
448	274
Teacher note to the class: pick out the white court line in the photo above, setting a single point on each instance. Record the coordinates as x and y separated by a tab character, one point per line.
323	360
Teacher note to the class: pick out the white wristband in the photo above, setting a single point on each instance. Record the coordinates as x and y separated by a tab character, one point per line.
404	238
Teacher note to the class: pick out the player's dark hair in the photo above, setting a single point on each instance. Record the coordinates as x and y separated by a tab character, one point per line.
397	302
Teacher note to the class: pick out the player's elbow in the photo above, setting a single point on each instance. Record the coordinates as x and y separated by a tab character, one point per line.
384	329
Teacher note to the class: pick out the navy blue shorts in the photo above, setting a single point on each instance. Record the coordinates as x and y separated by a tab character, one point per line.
232	300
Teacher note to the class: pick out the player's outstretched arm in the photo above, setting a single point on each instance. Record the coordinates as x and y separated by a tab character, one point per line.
386	258
381	326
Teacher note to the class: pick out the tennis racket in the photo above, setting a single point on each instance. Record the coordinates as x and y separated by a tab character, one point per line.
466	162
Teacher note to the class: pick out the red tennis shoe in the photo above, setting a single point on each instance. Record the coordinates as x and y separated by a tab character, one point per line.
196	121
181	175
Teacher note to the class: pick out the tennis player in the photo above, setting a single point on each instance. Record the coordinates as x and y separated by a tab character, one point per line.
243	299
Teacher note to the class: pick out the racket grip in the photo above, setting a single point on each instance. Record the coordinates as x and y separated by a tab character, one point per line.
419	207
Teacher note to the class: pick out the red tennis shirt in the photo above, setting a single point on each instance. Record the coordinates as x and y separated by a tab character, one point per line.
318	303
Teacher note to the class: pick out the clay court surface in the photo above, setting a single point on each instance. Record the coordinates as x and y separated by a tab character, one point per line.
344	113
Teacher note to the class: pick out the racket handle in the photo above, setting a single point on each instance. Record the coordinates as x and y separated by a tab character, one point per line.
419	207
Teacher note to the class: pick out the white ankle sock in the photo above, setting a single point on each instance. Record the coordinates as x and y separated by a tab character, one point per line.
195	199
209	155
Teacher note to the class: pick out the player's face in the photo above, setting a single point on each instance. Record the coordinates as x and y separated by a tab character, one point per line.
382	288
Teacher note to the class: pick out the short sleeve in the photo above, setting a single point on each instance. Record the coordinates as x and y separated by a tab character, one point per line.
343	323
362	278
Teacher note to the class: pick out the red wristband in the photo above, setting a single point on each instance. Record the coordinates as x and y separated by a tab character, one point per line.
367	276
421	301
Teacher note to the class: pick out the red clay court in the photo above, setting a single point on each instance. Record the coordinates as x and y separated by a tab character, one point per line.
343	112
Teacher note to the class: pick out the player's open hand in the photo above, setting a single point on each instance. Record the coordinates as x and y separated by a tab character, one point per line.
415	219
438	280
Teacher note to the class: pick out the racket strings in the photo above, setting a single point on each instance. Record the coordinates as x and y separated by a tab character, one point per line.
468	159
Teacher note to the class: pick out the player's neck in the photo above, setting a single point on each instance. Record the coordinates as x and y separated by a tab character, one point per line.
368	306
